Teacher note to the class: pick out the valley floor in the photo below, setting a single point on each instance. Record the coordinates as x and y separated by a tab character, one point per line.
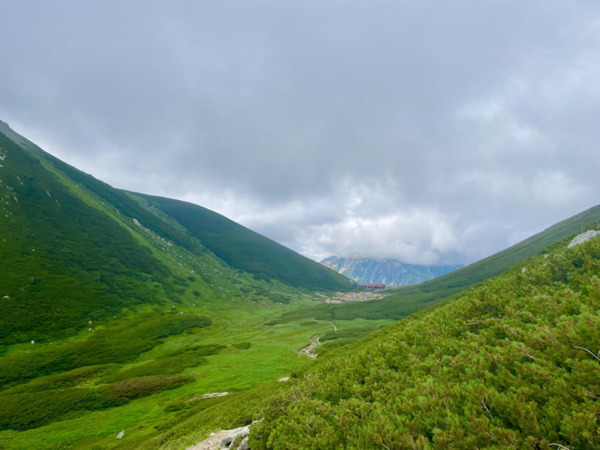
258	349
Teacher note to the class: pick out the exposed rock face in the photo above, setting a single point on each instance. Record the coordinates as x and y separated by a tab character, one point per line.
224	439
390	272
244	444
242	431
580	239
215	394
213	442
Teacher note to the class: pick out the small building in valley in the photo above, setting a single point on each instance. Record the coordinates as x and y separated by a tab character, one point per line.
370	285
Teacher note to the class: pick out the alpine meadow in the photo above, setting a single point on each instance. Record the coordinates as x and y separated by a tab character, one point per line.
135	321
299	225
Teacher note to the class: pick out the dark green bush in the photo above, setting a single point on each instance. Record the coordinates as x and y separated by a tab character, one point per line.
144	386
117	344
242	345
509	363
31	410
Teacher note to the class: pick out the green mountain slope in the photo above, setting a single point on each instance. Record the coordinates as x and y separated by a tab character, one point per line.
249	251
114	314
408	299
64	262
121	311
75	249
510	363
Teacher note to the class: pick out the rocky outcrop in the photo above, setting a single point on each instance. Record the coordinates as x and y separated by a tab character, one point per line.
244	444
235	433
581	238
235	439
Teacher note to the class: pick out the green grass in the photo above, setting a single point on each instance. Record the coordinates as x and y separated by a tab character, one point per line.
249	251
493	265
102	298
509	363
403	301
117	344
64	262
237	352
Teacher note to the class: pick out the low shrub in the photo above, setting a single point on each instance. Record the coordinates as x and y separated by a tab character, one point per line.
242	345
34	409
144	386
117	344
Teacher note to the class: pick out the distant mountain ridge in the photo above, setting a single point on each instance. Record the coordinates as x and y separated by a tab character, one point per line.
388	271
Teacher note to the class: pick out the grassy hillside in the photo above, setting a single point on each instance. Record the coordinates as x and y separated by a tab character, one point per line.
510	363
406	300
114	315
75	249
121	311
64	262
249	251
499	262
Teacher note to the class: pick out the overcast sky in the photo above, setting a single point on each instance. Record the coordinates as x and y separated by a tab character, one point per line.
429	131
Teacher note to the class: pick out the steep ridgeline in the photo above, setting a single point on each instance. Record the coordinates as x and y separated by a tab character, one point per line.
66	260
390	272
120	312
247	250
75	250
510	363
405	300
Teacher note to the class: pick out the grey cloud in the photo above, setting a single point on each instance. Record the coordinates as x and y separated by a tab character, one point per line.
331	126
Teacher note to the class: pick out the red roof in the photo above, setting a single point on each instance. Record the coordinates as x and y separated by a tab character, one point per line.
374	285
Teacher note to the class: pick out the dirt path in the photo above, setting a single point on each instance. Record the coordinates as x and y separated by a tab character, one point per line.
333	323
212	442
308	350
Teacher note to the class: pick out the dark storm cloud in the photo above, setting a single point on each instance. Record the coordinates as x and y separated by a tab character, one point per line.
430	131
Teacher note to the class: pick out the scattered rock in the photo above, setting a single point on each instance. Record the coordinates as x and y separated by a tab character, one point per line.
308	350
215	394
580	239
209	395
524	269
224	439
121	434
244	444
236	432
210	443
284	379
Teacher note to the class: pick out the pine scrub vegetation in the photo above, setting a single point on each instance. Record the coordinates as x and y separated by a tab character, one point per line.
511	363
